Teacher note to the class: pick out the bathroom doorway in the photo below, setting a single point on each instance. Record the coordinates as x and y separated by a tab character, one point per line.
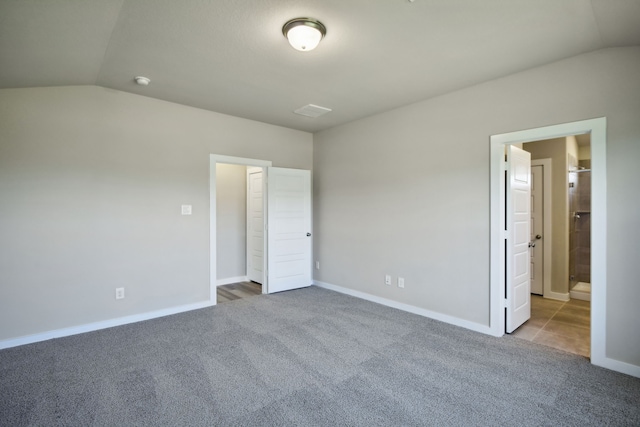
598	308
561	314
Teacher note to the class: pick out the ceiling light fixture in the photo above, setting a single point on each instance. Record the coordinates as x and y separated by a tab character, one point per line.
142	81
304	34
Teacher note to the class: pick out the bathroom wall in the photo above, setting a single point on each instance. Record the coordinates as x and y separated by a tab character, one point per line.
556	150
580	220
584	154
579	213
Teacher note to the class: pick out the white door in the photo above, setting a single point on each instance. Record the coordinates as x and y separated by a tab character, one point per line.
288	229
255	225
518	232
537	226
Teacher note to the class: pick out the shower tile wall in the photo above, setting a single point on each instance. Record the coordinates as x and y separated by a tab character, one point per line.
580	224
573	237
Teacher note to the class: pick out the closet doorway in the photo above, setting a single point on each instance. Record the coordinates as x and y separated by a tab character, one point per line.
280	249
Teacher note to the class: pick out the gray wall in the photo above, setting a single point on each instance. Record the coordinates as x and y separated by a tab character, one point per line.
406	192
91	183
231	221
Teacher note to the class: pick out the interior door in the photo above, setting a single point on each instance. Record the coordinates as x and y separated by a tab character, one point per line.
537	226
288	229
518	223
255	225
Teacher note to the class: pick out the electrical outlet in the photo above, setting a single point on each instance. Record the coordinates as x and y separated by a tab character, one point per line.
401	282
317	265
119	293
387	279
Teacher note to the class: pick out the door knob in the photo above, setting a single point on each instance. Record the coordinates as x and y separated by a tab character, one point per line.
538	237
532	244
308	234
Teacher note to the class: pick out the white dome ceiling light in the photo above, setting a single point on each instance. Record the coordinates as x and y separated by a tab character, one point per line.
304	34
142	81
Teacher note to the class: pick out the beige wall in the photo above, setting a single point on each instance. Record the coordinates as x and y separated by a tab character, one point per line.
91	183
406	192
231	220
572	153
584	153
556	150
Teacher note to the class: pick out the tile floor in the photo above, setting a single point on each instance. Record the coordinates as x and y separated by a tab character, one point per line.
562	325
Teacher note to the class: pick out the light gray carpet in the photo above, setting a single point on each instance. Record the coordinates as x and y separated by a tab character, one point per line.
309	357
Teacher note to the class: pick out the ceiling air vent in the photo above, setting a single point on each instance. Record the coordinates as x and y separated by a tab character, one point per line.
311	110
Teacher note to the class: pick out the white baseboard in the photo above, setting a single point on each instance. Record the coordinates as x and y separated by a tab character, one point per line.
583	296
230	280
90	327
616	365
409	308
557	296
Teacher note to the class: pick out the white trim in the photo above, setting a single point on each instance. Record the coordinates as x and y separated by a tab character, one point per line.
547	227
598	129
230	280
408	308
96	326
599	246
496	238
242	161
213	160
557	296
616	365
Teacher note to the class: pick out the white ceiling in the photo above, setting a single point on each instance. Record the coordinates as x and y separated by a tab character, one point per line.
230	56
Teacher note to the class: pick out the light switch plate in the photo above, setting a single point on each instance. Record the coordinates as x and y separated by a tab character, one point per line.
186	209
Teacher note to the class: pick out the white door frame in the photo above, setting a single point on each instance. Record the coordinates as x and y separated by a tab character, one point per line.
547	227
213	160
598	130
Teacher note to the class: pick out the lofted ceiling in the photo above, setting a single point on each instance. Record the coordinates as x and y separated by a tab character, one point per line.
230	56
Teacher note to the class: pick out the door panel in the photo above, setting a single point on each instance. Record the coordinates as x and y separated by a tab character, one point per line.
518	237
289	229
255	225
537	227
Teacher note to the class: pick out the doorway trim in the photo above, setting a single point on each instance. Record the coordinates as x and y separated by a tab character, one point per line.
597	128
213	247
547	228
